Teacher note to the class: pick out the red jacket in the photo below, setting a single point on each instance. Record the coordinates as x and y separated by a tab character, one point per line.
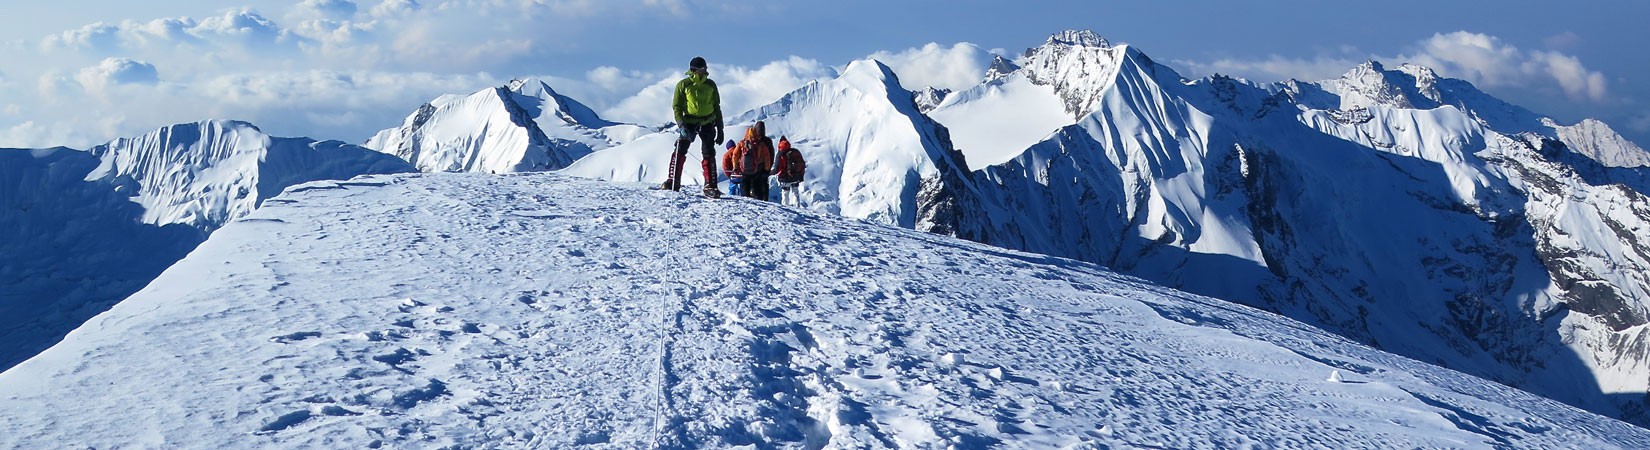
789	165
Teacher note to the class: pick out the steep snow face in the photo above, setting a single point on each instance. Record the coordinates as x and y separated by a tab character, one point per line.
1145	172
84	229
1078	64
870	152
523	126
1598	141
538	311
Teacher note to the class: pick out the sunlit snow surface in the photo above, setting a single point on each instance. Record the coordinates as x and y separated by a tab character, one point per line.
423	311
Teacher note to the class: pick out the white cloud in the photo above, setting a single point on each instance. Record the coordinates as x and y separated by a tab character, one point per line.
53	86
14	110
116	71
244	25
1484	59
344	105
394	8
957	67
324	9
31	134
96	36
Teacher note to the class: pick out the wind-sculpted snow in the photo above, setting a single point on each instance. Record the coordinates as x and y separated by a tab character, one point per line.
541	311
84	229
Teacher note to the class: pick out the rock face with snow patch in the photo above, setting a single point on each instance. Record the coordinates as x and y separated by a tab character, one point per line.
541	311
1395	207
521	127
84	229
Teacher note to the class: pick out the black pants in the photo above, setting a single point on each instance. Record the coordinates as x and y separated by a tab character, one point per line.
707	147
756	185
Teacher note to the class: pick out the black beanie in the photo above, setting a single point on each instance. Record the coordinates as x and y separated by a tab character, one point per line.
697	63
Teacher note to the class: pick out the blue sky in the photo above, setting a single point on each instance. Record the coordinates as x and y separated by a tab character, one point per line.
81	72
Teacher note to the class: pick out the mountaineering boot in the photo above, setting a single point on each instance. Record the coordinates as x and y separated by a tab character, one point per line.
673	179
709	165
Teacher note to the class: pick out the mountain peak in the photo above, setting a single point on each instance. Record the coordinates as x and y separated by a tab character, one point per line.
1078	64
1370	83
1000	67
532	87
871	68
1078	38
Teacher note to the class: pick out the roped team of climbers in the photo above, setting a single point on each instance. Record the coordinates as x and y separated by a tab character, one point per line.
748	164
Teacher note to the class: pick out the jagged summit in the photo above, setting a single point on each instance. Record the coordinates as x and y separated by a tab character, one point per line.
929	97
1078	73
1000	68
1370	83
1078	38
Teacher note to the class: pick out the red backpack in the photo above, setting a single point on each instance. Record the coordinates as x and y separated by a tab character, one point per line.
791	165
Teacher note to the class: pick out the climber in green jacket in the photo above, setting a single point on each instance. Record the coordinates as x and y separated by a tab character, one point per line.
698	111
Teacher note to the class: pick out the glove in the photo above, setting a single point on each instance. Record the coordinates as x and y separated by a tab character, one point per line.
718	135
682	131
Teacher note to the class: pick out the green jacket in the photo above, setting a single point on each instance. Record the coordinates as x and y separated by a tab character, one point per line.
691	98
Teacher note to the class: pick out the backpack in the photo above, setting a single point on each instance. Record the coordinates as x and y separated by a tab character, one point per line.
750	161
791	165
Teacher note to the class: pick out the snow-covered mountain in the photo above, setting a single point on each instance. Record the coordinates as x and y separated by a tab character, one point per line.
520	127
871	153
83	229
1396	207
540	311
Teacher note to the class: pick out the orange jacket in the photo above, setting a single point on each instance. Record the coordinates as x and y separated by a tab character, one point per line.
730	162
762	148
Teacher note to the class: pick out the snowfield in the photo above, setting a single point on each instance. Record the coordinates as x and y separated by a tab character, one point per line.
544	311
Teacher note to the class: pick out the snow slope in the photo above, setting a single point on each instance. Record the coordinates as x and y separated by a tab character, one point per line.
871	154
523	126
464	310
83	229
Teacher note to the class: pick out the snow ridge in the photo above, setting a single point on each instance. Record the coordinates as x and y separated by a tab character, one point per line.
544	311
